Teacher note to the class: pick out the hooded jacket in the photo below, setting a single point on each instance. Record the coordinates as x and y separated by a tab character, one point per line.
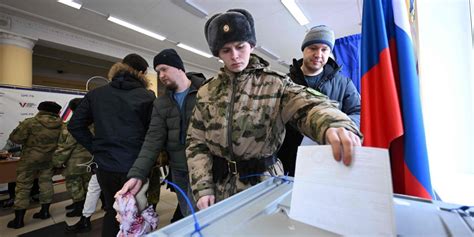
333	84
121	112
39	138
167	131
242	116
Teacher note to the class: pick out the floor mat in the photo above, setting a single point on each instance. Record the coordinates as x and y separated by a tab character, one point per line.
57	197
57	230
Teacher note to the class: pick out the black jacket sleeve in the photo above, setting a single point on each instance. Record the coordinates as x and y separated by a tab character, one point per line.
79	124
153	144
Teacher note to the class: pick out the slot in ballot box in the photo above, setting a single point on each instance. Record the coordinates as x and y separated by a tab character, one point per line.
263	211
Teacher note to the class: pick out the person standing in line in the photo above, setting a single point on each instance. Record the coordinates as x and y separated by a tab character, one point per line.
120	112
71	156
168	126
319	71
39	139
14	150
239	120
90	204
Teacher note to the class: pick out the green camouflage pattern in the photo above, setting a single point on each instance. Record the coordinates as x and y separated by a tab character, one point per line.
70	154
232	185
242	116
76	185
38	137
24	182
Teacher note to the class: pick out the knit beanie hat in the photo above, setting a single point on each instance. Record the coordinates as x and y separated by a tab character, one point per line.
319	35
49	106
136	62
168	57
233	25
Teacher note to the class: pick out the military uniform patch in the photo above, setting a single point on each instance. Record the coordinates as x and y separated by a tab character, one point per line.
313	91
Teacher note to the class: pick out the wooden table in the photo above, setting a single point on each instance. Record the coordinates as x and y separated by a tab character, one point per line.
8	171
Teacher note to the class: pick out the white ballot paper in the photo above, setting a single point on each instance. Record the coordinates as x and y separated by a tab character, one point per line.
354	200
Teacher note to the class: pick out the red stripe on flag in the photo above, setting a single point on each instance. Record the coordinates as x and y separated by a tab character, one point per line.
381	120
402	178
67	115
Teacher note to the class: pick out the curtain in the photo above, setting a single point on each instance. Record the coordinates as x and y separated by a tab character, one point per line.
347	51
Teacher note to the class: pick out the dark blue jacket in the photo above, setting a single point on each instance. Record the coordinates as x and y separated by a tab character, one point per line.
121	112
333	84
167	131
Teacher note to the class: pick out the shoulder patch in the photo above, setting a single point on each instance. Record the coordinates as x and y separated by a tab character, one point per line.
314	92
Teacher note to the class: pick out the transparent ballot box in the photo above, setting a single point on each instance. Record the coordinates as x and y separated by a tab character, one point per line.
263	211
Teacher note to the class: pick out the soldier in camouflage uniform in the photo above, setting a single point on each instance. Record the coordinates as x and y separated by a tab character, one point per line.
73	157
239	120
39	137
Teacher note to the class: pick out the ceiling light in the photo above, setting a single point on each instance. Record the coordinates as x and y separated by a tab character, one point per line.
70	3
267	52
284	63
295	11
136	28
197	51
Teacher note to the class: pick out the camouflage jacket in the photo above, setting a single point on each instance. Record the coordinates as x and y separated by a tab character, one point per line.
39	137
242	116
70	154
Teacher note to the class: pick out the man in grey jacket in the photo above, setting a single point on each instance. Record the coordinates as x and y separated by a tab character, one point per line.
168	126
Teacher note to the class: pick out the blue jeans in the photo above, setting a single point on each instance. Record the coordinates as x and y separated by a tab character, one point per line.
181	178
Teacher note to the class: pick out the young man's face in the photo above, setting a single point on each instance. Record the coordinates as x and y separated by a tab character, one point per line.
168	76
315	56
236	55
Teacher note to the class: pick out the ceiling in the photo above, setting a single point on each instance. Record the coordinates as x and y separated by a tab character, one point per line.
277	31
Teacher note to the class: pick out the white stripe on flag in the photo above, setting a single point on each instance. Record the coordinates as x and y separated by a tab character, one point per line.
400	16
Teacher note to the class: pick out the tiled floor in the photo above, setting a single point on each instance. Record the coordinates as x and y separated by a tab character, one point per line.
165	210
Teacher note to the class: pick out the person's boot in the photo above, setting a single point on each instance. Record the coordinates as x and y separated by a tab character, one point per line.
43	213
77	211
18	221
70	207
8	203
82	226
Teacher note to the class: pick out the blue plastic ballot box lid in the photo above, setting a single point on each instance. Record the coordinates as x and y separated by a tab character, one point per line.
262	210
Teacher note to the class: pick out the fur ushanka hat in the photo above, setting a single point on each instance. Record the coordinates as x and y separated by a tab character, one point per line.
233	25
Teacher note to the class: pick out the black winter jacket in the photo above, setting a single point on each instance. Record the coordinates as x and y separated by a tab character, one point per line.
121	112
333	84
167	131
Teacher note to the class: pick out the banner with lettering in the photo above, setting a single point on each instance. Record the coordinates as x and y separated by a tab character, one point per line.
17	104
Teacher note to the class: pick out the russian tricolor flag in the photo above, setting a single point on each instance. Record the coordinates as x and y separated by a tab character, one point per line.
391	114
67	114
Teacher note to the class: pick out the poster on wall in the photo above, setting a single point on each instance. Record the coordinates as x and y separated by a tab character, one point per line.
17	104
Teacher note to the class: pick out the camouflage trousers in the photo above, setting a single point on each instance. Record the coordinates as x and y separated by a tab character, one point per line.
24	182
232	185
76	185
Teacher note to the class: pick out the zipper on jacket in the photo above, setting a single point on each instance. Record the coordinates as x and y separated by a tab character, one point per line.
230	116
